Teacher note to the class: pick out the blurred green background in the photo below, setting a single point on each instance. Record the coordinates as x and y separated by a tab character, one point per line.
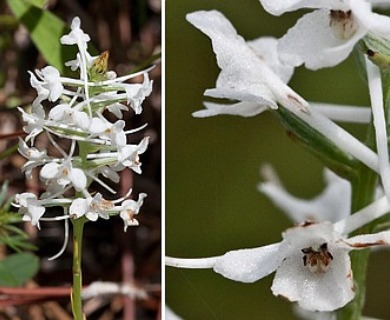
212	169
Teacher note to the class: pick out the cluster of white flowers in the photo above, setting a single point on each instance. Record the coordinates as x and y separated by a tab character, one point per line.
312	262
98	147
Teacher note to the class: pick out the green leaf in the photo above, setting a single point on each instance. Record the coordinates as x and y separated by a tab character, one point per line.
45	30
17	243
37	3
332	156
17	269
3	192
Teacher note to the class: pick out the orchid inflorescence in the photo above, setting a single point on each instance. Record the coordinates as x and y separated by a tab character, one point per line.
312	264
80	119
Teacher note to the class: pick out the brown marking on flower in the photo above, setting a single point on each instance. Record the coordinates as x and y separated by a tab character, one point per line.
106	204
339	15
298	102
342	23
369	244
317	261
307	223
130	213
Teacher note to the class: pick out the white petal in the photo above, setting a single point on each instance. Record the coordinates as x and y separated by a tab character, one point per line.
312	42
315	291
97	126
143	145
57	113
377	24
278	7
261	97
78	178
310	315
249	265
369	213
333	204
244	109
119	139
241	70
369	240
34	214
92	216
82	120
266	49
78	207
50	170
314	234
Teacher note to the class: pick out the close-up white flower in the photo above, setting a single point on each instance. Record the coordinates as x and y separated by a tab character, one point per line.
247	78
30	207
48	85
91	207
129	209
326	36
312	265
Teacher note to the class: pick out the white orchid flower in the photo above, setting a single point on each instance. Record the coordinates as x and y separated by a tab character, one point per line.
30	207
312	261
48	86
326	36
247	78
91	207
63	174
129	209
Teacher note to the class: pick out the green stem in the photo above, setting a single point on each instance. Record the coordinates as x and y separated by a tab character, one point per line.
363	193
77	305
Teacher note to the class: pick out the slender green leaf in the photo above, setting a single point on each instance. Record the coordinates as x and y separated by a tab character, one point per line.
17	243
38	3
9	152
332	156
45	30
3	192
17	269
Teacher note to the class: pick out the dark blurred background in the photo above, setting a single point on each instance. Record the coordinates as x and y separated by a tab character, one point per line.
131	31
212	169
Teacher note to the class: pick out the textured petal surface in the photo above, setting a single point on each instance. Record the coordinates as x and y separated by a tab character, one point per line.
310	234
326	291
78	207
78	178
241	70
266	49
369	240
243	109
227	93
278	7
312	42
249	265
377	23
332	204
50	170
